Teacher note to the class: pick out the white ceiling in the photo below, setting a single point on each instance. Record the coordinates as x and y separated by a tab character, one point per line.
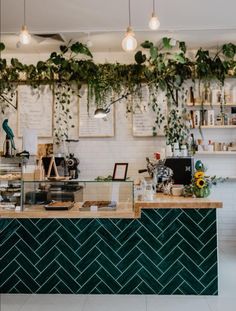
205	23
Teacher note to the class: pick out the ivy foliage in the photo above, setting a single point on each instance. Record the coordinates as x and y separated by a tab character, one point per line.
166	64
165	67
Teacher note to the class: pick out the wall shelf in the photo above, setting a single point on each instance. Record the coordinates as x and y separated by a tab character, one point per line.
230	178
215	127
197	105
216	153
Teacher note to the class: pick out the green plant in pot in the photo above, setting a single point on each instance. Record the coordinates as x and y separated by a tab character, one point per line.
201	183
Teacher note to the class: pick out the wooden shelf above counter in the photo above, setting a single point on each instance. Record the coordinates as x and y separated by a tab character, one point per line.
160	201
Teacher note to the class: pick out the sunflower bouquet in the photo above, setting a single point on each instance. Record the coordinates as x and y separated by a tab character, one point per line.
201	183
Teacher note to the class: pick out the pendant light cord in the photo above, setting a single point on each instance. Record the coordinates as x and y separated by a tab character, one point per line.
129	14
0	26
154	7
0	20
24	14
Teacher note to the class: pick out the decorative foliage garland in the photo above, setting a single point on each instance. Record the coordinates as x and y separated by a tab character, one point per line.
164	67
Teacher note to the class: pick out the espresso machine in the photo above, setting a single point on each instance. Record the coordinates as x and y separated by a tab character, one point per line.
72	166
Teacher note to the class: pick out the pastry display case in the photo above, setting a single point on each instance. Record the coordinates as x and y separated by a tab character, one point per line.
10	183
76	195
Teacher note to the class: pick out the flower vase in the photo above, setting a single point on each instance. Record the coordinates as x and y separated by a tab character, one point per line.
202	192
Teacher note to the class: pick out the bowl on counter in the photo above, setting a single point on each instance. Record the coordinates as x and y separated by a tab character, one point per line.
177	190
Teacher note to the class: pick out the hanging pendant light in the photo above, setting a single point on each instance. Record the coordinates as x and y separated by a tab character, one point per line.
89	42
154	22
24	36
129	43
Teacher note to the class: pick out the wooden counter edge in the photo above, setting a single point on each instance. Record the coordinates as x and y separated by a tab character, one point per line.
164	202
66	214
188	204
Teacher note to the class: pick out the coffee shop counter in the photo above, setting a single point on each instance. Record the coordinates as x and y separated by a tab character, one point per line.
124	210
165	246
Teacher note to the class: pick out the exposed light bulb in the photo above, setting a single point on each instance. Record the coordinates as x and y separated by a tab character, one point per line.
129	43
89	42
24	36
154	22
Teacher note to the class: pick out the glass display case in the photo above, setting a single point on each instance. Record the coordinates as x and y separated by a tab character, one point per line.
83	196
10	183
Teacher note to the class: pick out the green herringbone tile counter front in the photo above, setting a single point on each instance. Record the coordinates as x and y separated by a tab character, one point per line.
165	252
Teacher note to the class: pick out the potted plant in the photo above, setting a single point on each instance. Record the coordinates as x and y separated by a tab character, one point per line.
201	184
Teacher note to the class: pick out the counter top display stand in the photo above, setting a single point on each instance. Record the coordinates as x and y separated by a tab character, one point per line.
163	249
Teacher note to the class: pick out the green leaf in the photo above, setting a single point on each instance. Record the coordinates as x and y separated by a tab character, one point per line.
140	58
15	63
229	50
53	54
74	66
41	65
57	60
146	44
2	46
179	58
153	52
182	46
166	43
63	48
162	85
3	64
79	48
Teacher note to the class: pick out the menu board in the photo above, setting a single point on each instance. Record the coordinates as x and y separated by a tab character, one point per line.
143	122
93	127
35	110
144	117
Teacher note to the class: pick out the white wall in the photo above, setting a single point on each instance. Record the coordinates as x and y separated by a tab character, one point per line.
98	155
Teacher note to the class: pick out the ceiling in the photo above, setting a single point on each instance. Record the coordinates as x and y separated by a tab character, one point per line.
199	23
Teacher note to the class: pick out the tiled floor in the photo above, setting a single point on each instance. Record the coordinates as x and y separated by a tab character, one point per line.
226	301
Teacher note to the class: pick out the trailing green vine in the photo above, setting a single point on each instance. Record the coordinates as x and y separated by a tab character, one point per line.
62	112
163	67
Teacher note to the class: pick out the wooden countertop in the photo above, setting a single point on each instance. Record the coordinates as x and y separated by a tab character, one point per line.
123	211
167	201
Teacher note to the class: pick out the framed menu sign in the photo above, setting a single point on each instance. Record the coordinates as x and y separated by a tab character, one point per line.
35	110
93	127
144	117
143	122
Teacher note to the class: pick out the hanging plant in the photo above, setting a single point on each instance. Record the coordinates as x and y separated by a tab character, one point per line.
62	112
162	67
177	129
158	106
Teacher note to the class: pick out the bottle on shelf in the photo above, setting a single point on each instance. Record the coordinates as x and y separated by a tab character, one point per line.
210	146
226	118
176	150
7	148
192	145
210	117
219	119
183	151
